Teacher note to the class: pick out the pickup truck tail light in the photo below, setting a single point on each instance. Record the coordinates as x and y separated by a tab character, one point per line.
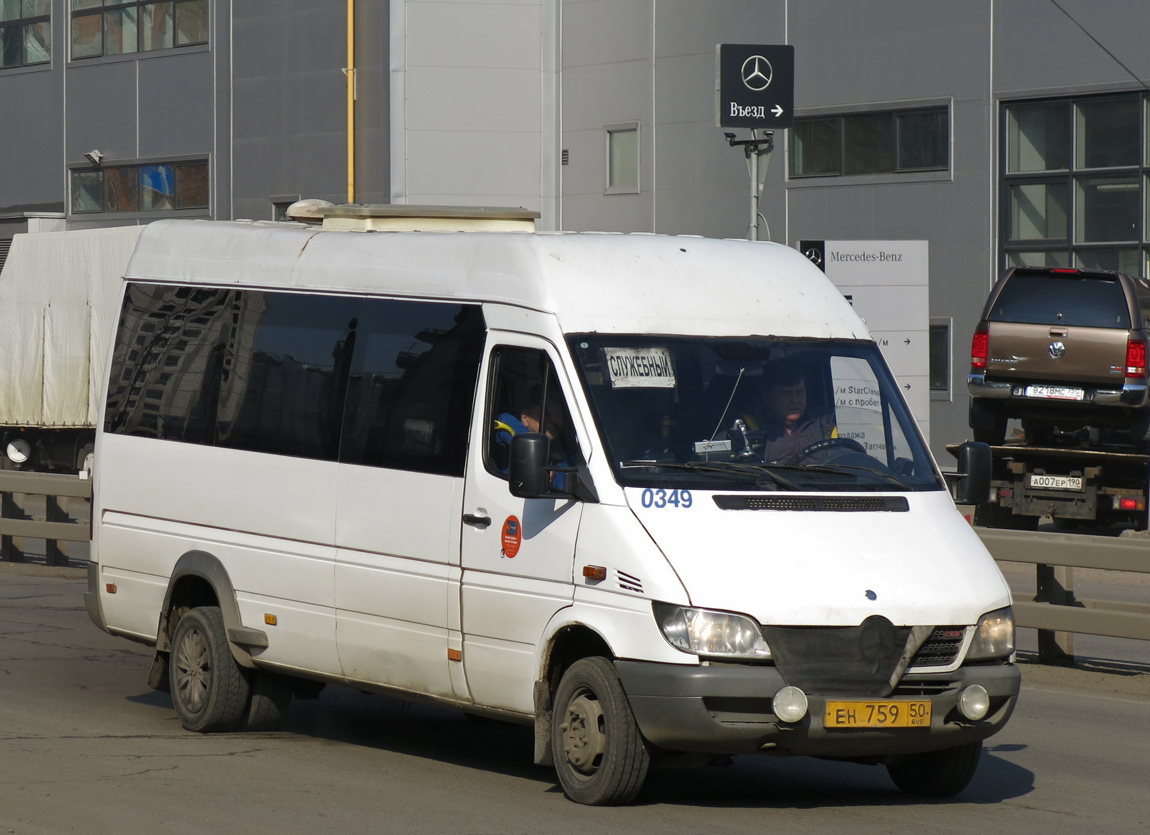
1135	359
980	348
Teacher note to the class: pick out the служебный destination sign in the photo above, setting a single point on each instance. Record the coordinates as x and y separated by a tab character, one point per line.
755	85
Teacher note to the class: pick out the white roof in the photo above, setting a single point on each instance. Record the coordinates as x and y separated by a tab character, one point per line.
591	282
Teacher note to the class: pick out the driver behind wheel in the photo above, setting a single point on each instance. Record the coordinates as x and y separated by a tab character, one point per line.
781	414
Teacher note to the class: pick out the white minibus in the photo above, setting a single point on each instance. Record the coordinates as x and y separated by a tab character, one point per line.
658	497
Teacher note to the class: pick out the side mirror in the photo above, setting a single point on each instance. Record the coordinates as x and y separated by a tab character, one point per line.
973	485
527	469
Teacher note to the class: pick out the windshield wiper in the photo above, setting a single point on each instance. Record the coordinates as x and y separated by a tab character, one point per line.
755	471
842	468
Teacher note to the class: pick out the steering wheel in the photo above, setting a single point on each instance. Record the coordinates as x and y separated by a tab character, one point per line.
829	443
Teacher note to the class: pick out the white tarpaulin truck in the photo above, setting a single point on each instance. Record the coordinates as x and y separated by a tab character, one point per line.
58	293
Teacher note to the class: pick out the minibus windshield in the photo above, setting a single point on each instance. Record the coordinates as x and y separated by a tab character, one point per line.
751	413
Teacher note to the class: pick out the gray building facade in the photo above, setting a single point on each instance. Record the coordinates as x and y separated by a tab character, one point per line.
1000	131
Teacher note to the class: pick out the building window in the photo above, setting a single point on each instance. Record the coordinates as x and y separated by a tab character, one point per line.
1075	183
280	205
25	32
114	27
881	142
940	328
140	188
622	158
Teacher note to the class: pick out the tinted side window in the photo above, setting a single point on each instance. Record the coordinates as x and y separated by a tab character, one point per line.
1080	302
169	340
282	373
412	385
233	368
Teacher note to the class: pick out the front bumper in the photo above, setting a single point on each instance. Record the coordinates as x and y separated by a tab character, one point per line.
728	710
92	597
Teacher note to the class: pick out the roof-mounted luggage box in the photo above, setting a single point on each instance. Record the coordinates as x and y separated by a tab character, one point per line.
395	217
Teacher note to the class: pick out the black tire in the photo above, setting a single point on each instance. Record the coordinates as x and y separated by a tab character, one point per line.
209	690
937	773
993	437
271	699
1037	433
600	756
987	423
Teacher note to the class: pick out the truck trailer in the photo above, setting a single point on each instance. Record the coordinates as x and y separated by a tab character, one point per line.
58	296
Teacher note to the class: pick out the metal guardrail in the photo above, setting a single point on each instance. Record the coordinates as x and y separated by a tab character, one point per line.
54	526
1055	609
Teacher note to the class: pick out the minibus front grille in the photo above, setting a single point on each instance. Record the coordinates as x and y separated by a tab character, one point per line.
923	688
833	504
941	648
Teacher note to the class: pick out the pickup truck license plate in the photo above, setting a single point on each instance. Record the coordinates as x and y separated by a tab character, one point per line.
1055	482
1056	392
877	714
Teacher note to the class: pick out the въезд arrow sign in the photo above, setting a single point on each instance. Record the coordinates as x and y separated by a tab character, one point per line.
755	85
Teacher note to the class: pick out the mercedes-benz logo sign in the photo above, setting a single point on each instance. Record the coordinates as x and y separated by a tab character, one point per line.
1057	349
815	256
757	73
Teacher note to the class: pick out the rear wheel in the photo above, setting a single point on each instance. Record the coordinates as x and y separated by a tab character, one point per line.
937	773
209	690
1038	433
600	756
987	424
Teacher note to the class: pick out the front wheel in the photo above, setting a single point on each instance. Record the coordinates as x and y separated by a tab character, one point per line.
209	691
600	756
937	773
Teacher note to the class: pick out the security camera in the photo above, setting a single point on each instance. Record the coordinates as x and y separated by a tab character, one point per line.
729	135
94	157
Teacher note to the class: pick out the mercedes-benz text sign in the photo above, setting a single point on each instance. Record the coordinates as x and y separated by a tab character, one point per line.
755	85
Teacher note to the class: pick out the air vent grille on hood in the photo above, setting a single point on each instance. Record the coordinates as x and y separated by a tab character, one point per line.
834	504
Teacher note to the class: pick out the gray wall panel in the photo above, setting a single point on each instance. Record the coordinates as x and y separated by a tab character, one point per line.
289	107
606	31
474	34
473	85
479	99
30	171
1038	48
443	162
372	107
687	27
102	110
176	104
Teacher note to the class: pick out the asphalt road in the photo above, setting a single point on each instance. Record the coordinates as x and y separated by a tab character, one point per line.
86	747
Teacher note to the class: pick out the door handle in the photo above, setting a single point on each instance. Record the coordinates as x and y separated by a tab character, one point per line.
477	521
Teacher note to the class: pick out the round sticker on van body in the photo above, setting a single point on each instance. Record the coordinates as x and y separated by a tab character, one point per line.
512	536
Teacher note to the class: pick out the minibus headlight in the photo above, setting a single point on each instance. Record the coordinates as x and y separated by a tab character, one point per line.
708	633
993	637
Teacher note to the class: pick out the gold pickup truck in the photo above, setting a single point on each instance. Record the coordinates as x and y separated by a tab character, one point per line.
1061	350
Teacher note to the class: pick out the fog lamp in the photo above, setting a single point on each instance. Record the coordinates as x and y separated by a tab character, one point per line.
790	704
974	702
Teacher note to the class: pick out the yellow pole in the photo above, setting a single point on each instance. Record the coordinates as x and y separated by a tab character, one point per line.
350	101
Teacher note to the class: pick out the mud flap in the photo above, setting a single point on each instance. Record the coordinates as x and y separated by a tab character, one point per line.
543	755
158	675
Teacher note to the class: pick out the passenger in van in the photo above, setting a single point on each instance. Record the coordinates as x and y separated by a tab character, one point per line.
507	426
781	414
